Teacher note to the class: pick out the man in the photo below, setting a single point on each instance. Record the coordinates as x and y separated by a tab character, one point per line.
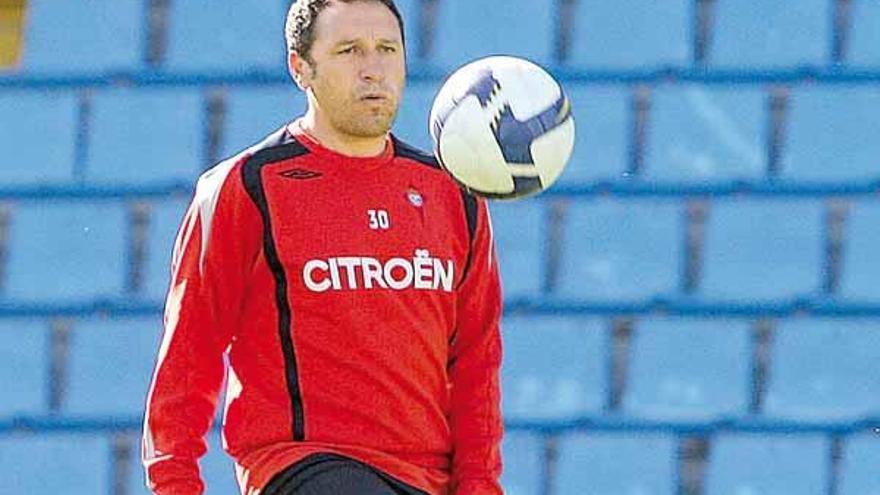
352	286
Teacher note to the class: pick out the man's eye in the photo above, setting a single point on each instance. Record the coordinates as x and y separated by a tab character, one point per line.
346	50
389	49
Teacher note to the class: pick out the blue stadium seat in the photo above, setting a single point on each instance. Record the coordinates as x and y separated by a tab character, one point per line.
523	463
705	134
603	119
621	250
55	463
202	38
554	368
606	463
146	135
62	251
832	134
415	110
469	30
689	369
84	37
24	352
519	240
254	113
628	34
860	268
756	33
218	469
758	463
864	47
825	370
411	11
858	474
166	218
762	249
111	364
30	119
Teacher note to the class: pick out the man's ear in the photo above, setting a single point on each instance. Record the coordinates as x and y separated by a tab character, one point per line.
300	70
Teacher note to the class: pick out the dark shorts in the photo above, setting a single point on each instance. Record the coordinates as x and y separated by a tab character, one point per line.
331	474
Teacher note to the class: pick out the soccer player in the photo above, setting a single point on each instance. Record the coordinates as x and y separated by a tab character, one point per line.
350	284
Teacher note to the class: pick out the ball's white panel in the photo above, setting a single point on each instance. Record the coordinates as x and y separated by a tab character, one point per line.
453	89
528	89
469	151
552	151
443	102
523	170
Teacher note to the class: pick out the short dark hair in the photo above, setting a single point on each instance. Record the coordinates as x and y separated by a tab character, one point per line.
300	28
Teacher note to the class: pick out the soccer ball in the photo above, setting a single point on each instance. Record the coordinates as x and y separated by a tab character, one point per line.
502	128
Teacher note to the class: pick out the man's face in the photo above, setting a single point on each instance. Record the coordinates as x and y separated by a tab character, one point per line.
357	70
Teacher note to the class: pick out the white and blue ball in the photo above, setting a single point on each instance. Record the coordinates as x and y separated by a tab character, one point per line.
502	128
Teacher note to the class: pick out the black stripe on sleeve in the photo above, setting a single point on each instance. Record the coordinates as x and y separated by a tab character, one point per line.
252	178
470	211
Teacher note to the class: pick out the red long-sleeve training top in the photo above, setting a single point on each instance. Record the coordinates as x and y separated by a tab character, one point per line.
358	300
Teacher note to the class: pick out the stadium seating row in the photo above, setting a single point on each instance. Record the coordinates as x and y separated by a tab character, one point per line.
753	250
588	463
600	463
624	250
690	369
67	37
554	368
695	134
78	251
62	251
694	369
774	464
737	463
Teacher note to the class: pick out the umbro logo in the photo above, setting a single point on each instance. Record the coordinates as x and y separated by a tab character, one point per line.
300	174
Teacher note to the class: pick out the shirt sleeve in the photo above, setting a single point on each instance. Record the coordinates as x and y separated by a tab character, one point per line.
216	246
474	366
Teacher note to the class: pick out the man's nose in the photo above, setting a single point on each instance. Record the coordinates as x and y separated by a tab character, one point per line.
372	66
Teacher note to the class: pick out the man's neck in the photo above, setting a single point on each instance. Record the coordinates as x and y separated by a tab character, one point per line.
344	144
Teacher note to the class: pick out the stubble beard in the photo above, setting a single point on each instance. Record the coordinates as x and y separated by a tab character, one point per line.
370	123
